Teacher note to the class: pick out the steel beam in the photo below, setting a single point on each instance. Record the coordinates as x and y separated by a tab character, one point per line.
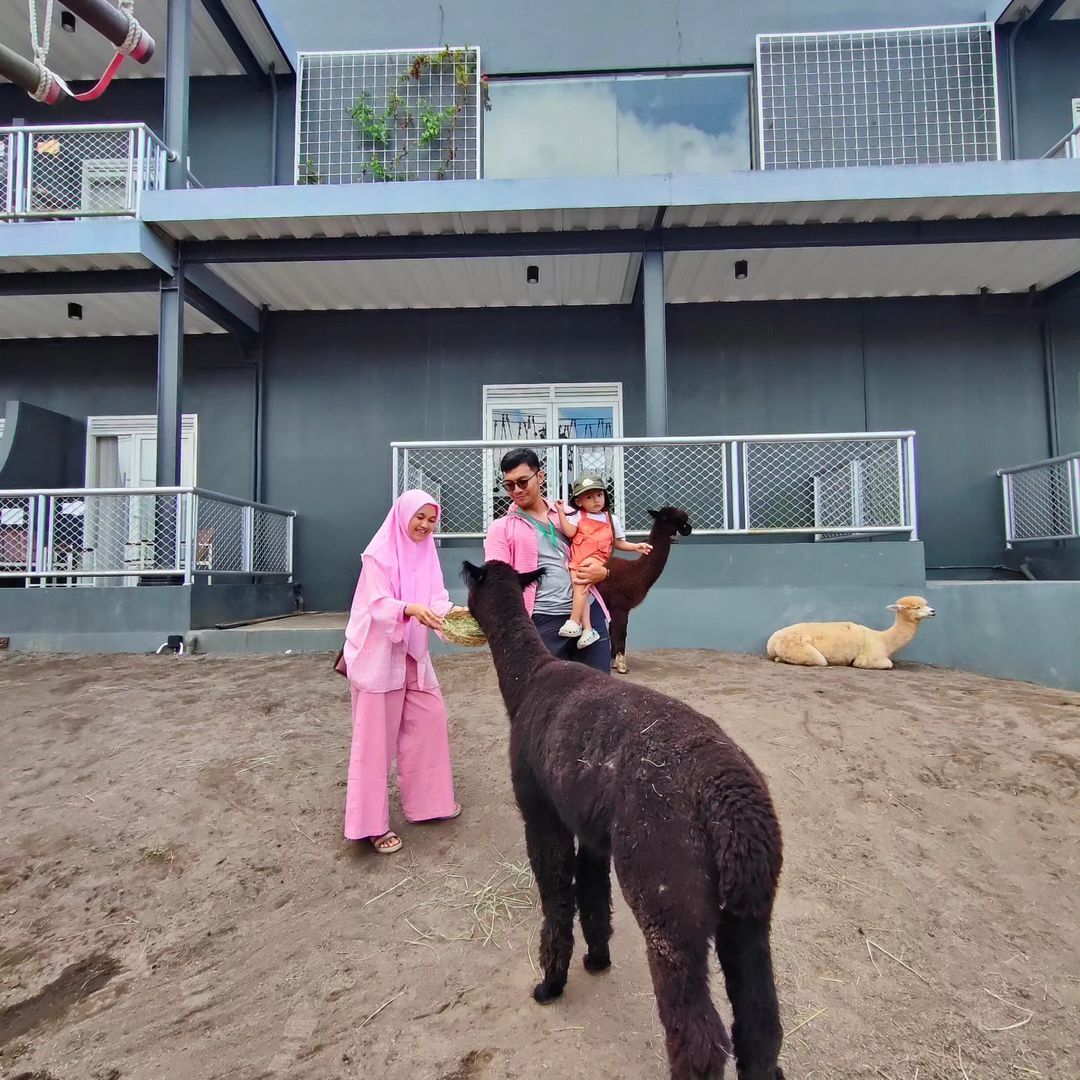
79	282
655	310
176	91
616	241
235	40
170	378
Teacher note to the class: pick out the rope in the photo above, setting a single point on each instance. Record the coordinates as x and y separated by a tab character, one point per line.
41	47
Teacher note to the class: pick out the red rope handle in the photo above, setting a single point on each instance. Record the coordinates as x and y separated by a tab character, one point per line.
103	82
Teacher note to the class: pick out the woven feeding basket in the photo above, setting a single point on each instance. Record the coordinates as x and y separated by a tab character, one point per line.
460	628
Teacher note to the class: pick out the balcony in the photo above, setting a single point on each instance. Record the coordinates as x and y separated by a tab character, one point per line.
78	170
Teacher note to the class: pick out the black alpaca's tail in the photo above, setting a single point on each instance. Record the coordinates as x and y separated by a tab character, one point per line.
740	821
747	850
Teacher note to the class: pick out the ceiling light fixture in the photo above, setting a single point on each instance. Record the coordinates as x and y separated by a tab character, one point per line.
741	270
67	22
74	311
532	274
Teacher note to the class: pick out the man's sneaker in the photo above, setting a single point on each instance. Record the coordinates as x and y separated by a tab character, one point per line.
590	637
570	629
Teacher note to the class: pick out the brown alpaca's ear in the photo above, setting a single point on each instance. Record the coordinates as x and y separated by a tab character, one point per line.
654	514
531	578
472	575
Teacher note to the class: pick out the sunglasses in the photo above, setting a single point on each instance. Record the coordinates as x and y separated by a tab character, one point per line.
510	486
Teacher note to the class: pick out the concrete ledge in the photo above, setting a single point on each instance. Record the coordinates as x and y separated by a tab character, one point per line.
1026	630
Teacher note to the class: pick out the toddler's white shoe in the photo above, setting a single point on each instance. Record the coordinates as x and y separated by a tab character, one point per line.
570	629
590	637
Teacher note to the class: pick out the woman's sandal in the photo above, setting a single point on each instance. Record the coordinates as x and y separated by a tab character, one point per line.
386	844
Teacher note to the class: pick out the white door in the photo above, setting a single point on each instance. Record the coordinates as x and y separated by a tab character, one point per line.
122	453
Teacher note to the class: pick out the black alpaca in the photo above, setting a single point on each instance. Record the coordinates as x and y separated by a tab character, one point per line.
644	780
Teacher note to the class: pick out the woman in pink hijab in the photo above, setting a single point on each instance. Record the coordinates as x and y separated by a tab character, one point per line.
397	707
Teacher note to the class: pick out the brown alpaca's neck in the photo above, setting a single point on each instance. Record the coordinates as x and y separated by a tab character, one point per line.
648	568
901	633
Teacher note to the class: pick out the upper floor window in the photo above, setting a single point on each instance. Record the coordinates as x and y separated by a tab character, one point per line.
878	97
694	122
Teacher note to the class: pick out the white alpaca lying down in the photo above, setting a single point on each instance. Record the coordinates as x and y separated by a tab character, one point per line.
846	643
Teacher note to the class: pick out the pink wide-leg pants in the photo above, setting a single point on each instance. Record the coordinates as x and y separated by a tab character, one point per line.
409	724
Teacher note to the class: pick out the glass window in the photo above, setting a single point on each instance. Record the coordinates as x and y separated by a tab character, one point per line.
618	124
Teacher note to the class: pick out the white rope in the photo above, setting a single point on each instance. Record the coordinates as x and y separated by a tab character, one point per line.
40	47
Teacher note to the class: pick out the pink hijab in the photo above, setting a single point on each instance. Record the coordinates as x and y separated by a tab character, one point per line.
412	568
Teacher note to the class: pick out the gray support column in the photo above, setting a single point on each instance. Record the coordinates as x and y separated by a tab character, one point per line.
170	378
653	303
176	91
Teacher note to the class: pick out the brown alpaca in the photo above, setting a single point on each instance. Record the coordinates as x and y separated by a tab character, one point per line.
631	579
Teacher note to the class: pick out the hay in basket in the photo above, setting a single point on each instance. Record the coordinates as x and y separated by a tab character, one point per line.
460	628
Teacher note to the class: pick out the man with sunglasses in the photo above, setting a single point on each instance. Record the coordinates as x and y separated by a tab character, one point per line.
529	537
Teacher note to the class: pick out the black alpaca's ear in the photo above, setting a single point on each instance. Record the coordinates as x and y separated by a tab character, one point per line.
531	578
654	514
472	575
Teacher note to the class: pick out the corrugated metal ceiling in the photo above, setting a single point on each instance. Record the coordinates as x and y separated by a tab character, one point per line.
104	315
866	210
436	283
692	277
431	224
10	264
85	54
844	273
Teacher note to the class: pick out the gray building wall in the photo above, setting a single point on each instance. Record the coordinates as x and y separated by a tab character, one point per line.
565	35
340	387
1047	79
229	123
976	396
107	376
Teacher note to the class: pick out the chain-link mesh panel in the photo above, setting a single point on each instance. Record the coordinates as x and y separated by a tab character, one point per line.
878	97
1041	502
270	543
110	533
7	173
831	485
81	171
642	477
18	533
467	482
219	536
377	116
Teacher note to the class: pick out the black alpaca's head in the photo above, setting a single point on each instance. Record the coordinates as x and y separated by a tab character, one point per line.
494	583
673	521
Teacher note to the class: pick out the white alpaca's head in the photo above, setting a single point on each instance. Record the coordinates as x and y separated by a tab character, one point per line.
914	608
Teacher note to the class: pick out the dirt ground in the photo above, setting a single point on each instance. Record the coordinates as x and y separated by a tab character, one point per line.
176	899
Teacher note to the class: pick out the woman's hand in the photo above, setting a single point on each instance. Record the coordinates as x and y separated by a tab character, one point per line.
424	615
455	610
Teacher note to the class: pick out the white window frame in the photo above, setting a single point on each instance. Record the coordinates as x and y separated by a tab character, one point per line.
106	426
506	396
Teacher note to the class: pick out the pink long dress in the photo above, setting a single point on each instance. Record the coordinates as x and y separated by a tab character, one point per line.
397	707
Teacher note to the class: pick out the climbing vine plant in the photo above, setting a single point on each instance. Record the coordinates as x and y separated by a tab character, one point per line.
390	116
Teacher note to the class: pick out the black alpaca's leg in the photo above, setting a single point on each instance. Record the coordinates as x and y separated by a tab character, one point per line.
743	948
593	880
678	923
551	854
617	633
698	1047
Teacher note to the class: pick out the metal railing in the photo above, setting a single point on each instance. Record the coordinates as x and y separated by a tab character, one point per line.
65	535
830	485
1042	500
1068	146
79	170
